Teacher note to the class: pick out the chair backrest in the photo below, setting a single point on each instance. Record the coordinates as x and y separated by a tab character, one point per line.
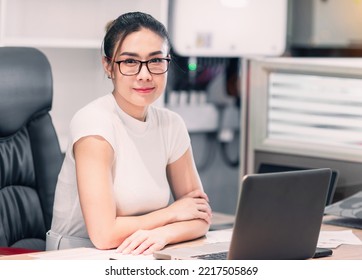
30	155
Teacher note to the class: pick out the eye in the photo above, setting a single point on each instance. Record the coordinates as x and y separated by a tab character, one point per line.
156	60
130	62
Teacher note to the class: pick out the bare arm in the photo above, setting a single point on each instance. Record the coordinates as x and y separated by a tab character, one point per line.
94	158
185	181
185	184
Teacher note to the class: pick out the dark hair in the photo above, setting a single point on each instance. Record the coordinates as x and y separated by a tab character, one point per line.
120	28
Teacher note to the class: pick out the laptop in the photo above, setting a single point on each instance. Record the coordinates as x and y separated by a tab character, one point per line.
278	216
270	168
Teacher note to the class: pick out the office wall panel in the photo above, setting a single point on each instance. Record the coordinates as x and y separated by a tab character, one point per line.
70	33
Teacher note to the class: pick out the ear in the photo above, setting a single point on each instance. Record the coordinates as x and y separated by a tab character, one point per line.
107	66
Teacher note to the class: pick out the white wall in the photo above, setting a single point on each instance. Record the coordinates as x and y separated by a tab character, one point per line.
78	78
70	33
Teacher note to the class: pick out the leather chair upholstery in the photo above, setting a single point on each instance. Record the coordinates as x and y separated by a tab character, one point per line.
30	155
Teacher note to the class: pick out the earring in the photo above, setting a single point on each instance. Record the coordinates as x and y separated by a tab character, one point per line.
109	77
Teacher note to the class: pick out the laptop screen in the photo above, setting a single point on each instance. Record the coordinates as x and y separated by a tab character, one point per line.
272	168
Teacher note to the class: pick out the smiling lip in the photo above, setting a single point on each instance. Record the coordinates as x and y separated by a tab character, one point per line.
145	90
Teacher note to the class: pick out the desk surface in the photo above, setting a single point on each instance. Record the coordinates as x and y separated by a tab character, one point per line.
343	252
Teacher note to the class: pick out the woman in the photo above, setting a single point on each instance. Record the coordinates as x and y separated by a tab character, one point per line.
125	157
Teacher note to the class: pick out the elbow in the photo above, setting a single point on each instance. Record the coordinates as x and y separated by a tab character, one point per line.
102	244
203	228
206	228
200	229
104	241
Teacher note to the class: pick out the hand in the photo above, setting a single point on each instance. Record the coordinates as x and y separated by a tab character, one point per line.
193	205
143	242
197	194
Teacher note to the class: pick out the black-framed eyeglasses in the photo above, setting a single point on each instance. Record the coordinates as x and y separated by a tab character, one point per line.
131	67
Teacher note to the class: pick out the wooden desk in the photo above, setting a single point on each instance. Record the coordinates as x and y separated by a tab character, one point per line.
343	252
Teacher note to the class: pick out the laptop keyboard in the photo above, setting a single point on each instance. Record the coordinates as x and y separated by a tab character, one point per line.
213	256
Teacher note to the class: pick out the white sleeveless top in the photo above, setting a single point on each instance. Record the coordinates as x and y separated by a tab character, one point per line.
142	152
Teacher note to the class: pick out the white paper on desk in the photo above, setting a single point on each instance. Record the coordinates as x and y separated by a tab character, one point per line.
333	239
216	236
119	256
87	254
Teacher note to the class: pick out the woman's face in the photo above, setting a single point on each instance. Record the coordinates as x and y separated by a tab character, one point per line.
138	91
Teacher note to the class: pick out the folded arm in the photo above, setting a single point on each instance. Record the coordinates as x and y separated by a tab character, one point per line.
186	187
94	159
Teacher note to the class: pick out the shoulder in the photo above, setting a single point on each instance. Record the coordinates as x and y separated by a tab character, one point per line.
96	118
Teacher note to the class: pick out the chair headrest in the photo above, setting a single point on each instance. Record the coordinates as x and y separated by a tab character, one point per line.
26	87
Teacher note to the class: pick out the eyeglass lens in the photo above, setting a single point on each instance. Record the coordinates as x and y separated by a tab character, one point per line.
133	67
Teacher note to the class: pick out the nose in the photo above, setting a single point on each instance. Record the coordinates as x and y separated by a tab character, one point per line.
144	74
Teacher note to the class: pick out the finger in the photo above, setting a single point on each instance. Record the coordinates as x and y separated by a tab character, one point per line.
128	241
202	194
205	196
201	201
206	218
198	194
153	248
202	204
204	208
142	247
134	244
124	244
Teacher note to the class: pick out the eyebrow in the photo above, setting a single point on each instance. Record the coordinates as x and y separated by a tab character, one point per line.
137	55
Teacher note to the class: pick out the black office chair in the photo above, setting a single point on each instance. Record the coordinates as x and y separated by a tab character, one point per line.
30	156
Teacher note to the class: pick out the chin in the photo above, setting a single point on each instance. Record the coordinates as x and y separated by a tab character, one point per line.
145	100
